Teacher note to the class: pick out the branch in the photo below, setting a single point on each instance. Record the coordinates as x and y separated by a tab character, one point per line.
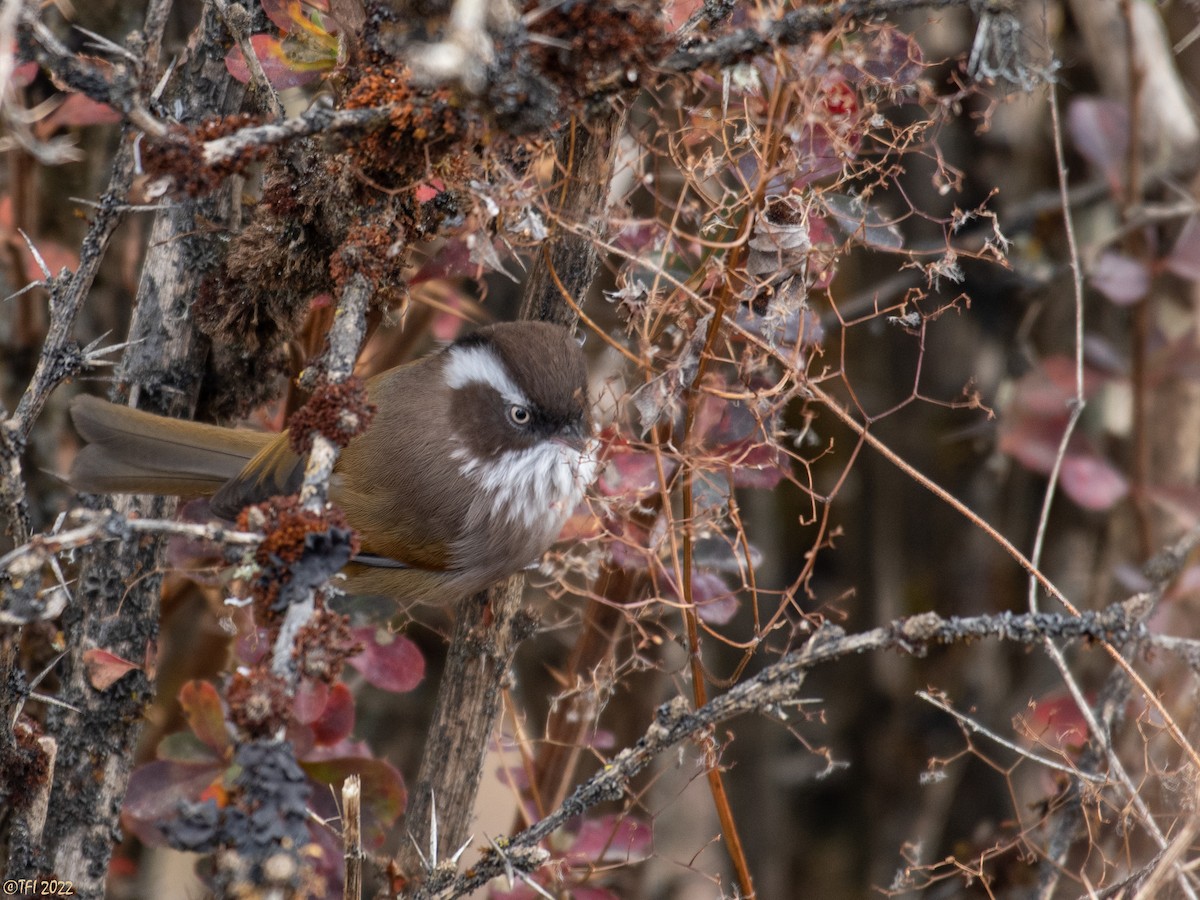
345	338
98	526
791	28
771	692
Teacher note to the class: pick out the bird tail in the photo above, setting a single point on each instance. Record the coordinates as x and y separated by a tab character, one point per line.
134	452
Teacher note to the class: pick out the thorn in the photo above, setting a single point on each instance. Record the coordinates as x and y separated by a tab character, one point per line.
103	43
37	679
508	866
25	290
461	850
53	701
537	887
420	855
37	257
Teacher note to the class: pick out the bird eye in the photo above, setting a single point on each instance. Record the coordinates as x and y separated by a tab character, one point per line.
519	415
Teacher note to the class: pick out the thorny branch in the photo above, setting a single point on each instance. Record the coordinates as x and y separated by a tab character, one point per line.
791	28
61	356
778	686
120	89
99	526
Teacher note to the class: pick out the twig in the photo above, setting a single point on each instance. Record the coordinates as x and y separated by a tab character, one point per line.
318	118
791	28
109	525
352	836
978	728
237	20
119	90
1097	732
345	338
1077	402
116	600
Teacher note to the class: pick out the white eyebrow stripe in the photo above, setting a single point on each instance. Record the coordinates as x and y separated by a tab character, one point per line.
480	365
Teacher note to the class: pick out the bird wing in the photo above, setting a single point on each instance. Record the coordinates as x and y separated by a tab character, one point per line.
274	470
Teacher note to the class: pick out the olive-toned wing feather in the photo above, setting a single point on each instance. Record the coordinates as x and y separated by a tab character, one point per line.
273	471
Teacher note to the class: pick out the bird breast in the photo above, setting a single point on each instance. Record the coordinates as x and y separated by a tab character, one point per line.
522	499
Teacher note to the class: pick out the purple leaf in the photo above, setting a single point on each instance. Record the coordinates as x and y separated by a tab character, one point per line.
863	222
1184	259
888	57
631	473
155	791
185	747
715	603
1099	129
1120	278
1092	482
390	661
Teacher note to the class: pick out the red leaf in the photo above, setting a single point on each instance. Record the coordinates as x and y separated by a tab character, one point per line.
287	14
56	256
23	74
337	719
281	72
1092	482
383	793
277	12
1032	441
452	260
310	700
106	669
1056	722
427	190
78	110
390	661
1184	259
1121	279
608	839
583	525
202	708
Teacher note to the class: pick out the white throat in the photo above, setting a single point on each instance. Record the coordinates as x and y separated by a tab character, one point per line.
534	490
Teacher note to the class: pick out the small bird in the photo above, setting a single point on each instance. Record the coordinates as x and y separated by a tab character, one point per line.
476	457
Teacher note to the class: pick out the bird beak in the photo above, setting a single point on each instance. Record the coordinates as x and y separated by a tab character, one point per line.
575	435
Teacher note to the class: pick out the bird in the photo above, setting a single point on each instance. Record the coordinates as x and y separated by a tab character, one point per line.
477	455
